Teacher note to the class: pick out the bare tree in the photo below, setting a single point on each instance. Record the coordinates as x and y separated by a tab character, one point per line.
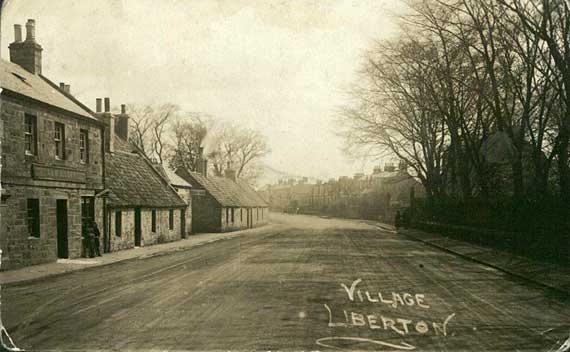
239	147
188	135
150	127
391	112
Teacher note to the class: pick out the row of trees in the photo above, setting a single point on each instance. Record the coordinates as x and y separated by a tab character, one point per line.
475	96
173	137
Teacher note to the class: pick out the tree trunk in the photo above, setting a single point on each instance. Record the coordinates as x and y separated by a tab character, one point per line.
563	169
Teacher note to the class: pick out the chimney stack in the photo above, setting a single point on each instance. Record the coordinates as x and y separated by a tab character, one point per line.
17	33
201	163
107	105
28	53
230	173
67	89
109	121
123	123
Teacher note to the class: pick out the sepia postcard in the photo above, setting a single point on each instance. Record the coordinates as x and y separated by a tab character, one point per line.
285	175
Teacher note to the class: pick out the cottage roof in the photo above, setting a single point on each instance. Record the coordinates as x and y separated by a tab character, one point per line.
133	181
15	78
229	193
171	176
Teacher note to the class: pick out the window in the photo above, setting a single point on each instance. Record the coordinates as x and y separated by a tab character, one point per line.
34	218
257	211
153	220
87	210
233	209
59	140
241	214
118	223
30	134
227	215
84	146
171	219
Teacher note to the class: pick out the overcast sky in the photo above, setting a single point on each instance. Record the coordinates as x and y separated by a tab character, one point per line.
278	66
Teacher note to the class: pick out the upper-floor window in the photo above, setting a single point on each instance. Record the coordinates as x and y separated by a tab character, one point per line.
30	133
59	139
84	146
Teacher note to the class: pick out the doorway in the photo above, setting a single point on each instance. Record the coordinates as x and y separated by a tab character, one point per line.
61	219
137	227
183	223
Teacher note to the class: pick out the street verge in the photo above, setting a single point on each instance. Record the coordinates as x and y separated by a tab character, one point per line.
547	275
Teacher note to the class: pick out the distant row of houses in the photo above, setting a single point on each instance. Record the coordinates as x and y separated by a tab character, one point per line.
65	166
377	196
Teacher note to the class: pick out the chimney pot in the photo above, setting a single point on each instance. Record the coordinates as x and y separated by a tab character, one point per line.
27	54
68	88
31	30
123	109
17	33
61	85
98	104
107	105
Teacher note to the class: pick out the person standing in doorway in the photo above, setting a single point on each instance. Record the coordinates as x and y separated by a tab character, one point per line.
96	242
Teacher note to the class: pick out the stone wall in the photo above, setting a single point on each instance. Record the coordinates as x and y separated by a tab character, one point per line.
186	195
18	167
258	217
148	237
21	250
43	177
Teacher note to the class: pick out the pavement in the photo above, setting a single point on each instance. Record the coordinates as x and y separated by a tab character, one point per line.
303	283
550	275
62	266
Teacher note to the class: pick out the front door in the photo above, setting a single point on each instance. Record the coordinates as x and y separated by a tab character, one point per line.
61	219
137	227
183	223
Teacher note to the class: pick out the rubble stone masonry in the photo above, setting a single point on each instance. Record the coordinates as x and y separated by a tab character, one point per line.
45	178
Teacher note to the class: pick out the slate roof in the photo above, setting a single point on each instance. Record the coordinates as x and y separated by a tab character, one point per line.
15	78
133	181
228	192
174	179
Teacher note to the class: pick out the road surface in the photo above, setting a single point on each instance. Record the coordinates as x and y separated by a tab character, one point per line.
308	284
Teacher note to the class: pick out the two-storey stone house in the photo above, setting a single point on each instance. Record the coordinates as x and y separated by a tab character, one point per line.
52	161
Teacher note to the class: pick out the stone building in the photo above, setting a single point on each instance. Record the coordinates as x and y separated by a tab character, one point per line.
221	204
142	208
184	190
52	162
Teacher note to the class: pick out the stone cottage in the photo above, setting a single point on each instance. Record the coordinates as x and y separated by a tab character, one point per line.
221	204
184	190
52	162
142	208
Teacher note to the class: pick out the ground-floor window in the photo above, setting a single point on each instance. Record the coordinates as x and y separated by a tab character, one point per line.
34	218
233	209
153	220
171	219
227	215
118	223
